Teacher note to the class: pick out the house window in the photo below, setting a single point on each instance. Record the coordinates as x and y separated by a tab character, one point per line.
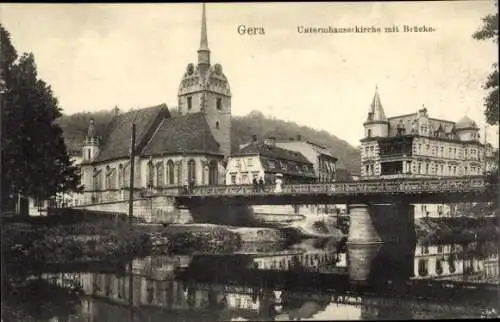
219	103
233	179
250	162
244	179
238	164
190	102
271	164
217	124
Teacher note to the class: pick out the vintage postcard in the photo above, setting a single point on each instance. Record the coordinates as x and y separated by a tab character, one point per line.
249	161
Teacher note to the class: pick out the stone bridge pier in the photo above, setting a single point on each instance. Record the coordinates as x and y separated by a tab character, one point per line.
372	223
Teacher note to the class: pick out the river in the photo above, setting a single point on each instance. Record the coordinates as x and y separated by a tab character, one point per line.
311	280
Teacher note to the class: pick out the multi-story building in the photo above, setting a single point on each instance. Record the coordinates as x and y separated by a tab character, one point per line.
321	158
416	145
265	160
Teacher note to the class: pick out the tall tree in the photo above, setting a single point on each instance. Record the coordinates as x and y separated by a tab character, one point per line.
488	31
35	162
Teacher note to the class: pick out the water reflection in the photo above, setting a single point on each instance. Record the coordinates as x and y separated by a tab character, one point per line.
310	280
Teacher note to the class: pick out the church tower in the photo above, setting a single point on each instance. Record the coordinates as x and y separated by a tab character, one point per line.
376	124
90	148
204	88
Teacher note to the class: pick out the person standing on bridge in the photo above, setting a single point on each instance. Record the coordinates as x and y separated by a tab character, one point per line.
255	185
186	186
261	184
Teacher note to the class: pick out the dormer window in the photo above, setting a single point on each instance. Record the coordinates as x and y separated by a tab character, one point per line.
219	103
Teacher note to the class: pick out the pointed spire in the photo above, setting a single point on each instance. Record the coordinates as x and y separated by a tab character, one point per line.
203	51
91	130
376	112
204	37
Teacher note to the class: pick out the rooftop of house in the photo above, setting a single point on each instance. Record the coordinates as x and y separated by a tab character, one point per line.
272	151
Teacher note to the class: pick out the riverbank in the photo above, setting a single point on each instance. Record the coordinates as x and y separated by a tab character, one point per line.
457	229
32	247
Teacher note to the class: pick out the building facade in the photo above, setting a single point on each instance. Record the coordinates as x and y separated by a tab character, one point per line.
323	161
169	151
265	160
416	145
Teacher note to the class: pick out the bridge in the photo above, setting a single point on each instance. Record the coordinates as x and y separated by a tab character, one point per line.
380	210
418	190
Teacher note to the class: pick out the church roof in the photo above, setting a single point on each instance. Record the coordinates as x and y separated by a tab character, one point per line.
189	133
116	142
465	123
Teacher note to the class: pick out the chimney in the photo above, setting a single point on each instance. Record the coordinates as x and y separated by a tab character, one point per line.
299	137
270	141
254	138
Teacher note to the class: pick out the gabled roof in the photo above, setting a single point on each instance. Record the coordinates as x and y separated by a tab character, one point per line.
272	152
116	143
189	133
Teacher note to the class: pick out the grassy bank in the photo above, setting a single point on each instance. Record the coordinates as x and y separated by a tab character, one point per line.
28	248
457	229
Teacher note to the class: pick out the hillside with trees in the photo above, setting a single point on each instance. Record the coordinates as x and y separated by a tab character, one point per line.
243	127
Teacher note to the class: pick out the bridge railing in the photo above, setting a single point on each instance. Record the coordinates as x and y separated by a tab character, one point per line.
470	184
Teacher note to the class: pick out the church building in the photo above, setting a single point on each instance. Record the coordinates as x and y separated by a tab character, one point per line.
191	147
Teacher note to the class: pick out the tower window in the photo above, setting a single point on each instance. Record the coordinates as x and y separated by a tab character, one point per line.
219	103
217	124
190	102
369	133
88	154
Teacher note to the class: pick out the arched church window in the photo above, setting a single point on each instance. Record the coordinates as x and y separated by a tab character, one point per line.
150	174
217	124
108	178
112	179
212	173
170	171
121	176
160	170
191	170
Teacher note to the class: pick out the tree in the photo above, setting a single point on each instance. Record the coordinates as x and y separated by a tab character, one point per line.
489	30
35	162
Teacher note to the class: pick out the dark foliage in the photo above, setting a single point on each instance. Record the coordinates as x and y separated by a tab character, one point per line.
489	30
34	158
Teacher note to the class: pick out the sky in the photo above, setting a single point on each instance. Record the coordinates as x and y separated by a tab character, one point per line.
96	56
